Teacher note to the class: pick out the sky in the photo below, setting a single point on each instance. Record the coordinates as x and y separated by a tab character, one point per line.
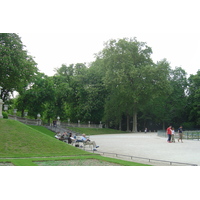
65	32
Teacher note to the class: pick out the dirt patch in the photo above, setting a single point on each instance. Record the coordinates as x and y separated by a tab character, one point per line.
84	162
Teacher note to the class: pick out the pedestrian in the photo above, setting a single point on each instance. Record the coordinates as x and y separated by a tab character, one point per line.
169	132
173	140
180	132
145	131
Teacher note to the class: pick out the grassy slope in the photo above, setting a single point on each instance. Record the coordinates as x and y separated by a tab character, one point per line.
19	140
43	130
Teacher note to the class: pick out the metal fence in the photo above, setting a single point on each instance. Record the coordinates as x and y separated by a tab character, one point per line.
144	160
188	135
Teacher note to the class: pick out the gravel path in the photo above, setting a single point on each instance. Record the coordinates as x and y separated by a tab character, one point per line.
149	146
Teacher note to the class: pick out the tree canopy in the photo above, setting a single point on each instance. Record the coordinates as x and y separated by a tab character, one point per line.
123	88
17	68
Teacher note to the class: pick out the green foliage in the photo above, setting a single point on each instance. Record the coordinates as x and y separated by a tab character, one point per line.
5	115
194	98
17	68
122	84
131	77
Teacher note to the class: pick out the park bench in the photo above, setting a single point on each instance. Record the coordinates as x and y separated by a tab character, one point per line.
79	142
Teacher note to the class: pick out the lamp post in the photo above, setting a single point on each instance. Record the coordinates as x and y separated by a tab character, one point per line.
68	121
38	119
1	104
25	115
58	122
15	113
5	107
79	123
100	125
89	124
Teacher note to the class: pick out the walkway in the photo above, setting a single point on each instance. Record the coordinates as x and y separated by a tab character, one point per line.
149	146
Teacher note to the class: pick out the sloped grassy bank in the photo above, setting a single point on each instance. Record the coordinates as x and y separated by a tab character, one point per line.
22	145
19	140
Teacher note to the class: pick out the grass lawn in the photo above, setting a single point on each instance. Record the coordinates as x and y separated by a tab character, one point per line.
20	140
22	145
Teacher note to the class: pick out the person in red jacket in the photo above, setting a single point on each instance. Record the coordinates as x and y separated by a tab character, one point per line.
169	132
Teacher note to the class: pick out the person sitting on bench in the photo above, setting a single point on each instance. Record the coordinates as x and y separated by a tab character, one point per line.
71	139
87	141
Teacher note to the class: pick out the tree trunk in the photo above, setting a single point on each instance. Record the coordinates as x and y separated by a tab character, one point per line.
163	126
120	125
127	124
134	122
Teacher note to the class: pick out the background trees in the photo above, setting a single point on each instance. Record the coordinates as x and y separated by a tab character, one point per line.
194	99
123	87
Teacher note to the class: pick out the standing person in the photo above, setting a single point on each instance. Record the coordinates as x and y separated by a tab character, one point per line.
169	132
173	140
145	131
180	131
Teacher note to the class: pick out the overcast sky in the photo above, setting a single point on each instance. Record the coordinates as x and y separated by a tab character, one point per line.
65	32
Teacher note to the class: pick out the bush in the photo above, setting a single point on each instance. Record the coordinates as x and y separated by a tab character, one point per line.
5	115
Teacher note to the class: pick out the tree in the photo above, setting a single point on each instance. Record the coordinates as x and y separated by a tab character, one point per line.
194	98
35	98
131	73
17	68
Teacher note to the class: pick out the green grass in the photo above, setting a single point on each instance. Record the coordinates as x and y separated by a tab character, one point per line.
20	140
32	161
24	145
95	131
43	130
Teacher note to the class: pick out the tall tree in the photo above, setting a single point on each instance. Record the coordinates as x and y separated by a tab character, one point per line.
129	68
17	68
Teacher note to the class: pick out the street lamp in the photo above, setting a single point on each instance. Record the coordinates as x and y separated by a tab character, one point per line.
15	111
79	123
58	122
38	119
1	104
25	114
0	90
5	107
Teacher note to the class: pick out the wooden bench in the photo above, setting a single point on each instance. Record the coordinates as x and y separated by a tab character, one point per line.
80	142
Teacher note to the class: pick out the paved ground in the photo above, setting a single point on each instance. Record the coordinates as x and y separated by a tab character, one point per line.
149	146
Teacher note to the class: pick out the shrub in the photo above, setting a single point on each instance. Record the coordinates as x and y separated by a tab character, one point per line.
5	115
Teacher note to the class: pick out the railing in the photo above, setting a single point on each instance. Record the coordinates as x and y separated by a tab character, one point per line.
80	125
150	160
192	135
188	135
61	129
59	123
26	120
